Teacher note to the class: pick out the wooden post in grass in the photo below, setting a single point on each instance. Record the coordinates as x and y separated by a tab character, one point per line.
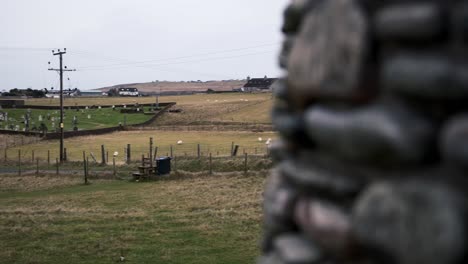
155	153
48	157
37	166
19	162
151	151
172	152
6	155
129	155
198	150
103	155
113	164
84	168
234	152
65	156
245	164
232	148
211	168
175	163
32	156
107	156
87	167
57	165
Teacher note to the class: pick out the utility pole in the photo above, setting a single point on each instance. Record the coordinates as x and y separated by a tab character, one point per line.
61	70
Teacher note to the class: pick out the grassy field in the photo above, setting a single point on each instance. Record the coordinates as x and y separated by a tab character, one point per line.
204	219
180	100
217	143
253	110
189	217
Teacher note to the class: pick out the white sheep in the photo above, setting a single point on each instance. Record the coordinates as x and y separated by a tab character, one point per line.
179	142
260	139
268	142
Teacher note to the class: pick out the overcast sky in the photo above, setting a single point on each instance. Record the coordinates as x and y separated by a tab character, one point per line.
124	41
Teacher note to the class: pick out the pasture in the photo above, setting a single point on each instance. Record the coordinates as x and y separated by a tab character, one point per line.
216	143
203	219
192	216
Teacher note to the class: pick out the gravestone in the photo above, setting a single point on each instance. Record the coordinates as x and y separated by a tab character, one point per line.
372	162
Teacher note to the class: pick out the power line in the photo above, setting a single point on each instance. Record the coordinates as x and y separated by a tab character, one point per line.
130	62
174	63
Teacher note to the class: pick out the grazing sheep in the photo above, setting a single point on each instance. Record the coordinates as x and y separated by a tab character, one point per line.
260	139
179	142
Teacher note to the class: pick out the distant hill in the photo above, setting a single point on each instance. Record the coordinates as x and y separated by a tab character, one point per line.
190	86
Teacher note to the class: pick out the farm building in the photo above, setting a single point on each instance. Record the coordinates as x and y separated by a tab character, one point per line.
66	92
123	91
258	84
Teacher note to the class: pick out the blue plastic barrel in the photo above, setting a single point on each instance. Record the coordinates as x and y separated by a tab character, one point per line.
164	165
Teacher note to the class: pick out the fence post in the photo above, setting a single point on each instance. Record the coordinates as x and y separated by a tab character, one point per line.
234	153
103	155
57	164
198	150
48	157
84	168
107	156
65	156
175	163
113	164
245	164
232	148
171	151
211	168
151	151
37	166
32	155
87	167
19	162
6	157
128	153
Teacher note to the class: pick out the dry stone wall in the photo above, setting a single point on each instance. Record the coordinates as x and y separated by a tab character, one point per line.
372	111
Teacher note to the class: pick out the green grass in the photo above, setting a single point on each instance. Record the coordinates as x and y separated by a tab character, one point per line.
181	220
86	118
217	143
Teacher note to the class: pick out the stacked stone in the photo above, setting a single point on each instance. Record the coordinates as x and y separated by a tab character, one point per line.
373	156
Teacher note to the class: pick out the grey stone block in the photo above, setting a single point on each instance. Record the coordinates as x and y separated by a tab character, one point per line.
285	51
286	122
411	21
328	53
269	259
454	141
326	224
296	249
412	222
377	134
293	15
319	179
279	199
429	76
280	89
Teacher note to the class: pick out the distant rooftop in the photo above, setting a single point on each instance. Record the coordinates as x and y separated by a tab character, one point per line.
260	83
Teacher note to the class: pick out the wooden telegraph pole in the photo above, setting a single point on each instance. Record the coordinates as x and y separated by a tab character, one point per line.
61	70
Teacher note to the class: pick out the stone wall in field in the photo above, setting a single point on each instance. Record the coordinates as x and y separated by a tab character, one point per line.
373	162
